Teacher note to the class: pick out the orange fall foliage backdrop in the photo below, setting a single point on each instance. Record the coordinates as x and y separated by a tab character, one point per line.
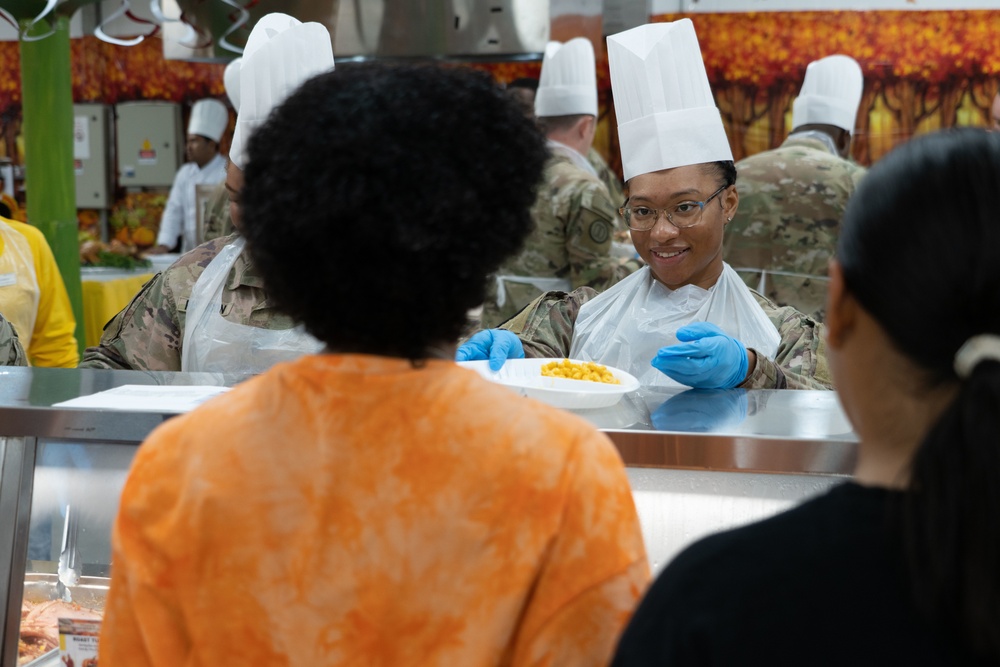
924	70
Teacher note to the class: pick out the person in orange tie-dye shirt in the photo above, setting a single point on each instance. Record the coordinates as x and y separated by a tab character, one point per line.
378	504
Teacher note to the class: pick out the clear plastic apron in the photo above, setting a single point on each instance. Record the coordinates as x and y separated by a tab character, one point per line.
628	323
19	293
215	345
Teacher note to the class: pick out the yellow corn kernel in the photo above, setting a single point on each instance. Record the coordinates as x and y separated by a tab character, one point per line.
588	371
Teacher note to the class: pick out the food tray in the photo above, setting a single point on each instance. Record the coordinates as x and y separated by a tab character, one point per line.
90	592
525	377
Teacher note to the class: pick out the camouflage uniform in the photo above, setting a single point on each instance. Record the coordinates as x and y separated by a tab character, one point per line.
11	352
791	202
217	220
574	224
545	328
148	334
608	177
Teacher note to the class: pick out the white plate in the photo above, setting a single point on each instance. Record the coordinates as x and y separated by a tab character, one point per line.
525	377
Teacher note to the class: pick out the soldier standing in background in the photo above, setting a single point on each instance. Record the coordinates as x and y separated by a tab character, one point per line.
792	197
575	217
523	90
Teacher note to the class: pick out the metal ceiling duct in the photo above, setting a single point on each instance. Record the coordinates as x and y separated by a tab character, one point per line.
217	30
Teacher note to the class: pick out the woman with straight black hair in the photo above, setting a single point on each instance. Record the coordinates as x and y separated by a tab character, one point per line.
902	565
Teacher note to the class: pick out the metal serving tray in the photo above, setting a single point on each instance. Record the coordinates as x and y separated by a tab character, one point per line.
91	592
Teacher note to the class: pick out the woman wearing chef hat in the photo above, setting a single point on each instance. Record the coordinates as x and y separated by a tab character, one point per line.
900	565
686	318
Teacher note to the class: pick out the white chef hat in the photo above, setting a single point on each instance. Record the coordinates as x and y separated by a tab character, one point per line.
568	82
231	80
666	114
831	93
209	118
281	54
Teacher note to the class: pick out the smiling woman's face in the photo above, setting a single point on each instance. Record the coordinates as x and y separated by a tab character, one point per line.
692	255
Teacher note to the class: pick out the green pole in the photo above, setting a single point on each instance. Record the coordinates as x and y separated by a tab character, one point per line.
47	112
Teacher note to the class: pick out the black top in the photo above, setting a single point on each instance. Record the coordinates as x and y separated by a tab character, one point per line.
821	584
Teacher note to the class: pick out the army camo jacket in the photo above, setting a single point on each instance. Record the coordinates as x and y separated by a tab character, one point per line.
149	333
217	220
575	221
11	352
545	328
792	199
610	180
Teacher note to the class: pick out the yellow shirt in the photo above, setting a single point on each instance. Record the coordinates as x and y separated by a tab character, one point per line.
51	342
353	510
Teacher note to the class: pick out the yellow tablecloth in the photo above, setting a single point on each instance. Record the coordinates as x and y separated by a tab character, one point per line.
104	295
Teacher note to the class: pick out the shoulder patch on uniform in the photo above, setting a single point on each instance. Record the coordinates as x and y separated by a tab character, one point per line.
600	231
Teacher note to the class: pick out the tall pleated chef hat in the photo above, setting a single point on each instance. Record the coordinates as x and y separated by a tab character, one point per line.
209	118
666	114
281	54
231	80
831	93
568	82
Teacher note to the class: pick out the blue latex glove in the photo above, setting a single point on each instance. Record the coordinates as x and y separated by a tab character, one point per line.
701	410
707	358
497	345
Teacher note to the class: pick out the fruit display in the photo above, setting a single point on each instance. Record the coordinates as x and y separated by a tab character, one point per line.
116	254
135	219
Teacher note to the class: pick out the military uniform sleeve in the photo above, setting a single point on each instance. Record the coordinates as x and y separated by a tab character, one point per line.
589	233
800	362
146	335
53	343
217	220
596	569
611	181
545	326
11	352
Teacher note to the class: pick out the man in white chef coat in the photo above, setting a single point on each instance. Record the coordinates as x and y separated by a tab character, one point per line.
209	119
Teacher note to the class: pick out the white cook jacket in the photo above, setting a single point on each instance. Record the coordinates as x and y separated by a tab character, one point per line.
180	216
213	344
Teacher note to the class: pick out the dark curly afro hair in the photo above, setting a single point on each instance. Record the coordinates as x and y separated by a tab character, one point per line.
378	199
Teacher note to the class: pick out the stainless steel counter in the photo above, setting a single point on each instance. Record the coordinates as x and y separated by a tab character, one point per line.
28	394
795	432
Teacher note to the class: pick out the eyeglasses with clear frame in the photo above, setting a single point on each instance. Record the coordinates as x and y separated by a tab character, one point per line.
683	215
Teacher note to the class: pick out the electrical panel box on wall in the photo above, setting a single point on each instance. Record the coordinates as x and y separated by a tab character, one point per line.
92	155
150	143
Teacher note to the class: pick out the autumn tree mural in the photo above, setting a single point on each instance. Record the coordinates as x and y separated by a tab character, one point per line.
924	70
